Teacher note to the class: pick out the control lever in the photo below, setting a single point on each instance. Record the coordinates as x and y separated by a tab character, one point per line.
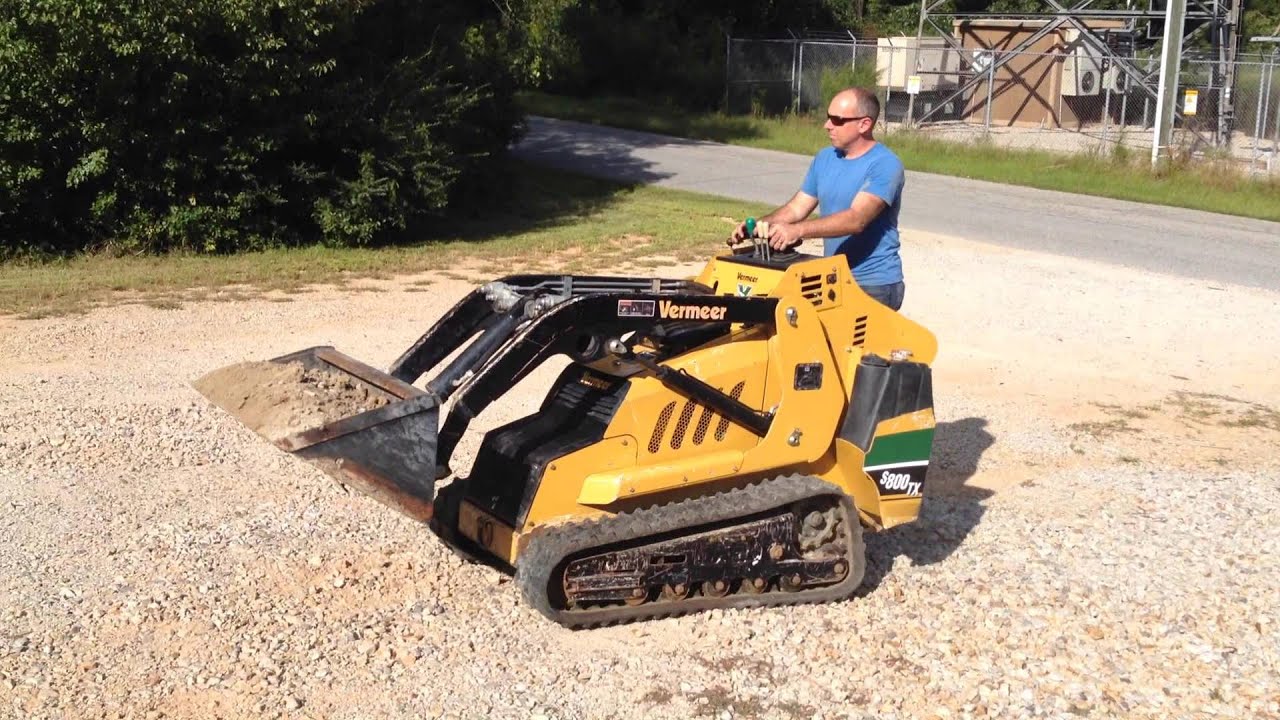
758	233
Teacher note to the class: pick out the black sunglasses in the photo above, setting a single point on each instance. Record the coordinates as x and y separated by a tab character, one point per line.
839	121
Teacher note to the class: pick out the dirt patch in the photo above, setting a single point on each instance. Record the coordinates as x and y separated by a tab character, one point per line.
1102	429
1224	411
279	399
1182	429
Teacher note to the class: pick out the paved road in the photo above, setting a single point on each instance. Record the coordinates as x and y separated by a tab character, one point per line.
1188	243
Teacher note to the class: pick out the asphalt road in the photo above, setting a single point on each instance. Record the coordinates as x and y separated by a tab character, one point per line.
1188	243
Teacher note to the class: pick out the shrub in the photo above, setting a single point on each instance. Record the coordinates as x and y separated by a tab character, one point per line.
650	53
221	125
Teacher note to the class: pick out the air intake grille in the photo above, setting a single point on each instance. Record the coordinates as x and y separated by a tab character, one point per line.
860	331
704	424
811	288
655	441
682	425
723	426
681	429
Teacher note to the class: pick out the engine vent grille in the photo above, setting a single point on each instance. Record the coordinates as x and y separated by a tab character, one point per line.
682	425
722	427
704	424
681	429
811	288
655	441
860	331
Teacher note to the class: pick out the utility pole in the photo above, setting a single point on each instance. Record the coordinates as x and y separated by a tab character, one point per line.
1228	43
915	67
1170	66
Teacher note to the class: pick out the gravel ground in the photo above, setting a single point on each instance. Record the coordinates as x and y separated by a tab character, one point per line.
1098	540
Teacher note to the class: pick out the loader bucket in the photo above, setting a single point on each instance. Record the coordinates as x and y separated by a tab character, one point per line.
363	427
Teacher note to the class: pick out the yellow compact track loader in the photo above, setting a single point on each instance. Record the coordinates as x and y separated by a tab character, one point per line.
716	442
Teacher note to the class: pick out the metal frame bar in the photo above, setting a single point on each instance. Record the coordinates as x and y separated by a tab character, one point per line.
1000	60
1222	17
1099	14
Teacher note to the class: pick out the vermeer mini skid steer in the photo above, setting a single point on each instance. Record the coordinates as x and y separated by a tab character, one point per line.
718	442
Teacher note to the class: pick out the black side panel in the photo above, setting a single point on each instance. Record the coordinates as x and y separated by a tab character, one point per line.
883	390
511	460
680	336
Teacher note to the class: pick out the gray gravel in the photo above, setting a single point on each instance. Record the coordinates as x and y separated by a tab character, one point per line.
159	560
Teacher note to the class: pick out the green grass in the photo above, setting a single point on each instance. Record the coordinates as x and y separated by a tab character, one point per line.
1200	185
544	221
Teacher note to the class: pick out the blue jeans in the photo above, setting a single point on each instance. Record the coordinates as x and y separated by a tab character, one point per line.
888	295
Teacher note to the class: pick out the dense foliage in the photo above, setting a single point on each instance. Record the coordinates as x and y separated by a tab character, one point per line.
218	125
670	49
222	125
674	50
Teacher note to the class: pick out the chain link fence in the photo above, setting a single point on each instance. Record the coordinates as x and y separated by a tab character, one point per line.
762	76
1256	132
1070	101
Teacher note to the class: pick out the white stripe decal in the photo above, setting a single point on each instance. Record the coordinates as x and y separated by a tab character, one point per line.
913	463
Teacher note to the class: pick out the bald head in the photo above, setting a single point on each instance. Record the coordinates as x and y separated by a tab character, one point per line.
857	101
851	120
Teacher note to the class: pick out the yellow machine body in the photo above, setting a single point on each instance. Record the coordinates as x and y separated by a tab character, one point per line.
714	442
661	446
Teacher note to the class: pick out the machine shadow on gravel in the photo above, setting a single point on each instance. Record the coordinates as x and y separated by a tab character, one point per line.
950	510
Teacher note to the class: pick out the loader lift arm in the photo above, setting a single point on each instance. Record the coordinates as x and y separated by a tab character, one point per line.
582	328
480	308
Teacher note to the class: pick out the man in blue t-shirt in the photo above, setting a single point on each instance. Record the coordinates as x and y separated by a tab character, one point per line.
856	185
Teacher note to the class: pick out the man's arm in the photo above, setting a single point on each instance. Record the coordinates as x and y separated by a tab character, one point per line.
883	185
795	210
866	207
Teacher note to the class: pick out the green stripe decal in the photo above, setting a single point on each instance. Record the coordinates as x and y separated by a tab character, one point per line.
900	447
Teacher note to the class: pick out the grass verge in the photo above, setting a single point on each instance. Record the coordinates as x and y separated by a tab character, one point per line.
544	221
1124	175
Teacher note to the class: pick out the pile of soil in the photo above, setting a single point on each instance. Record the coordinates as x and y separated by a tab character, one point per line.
280	399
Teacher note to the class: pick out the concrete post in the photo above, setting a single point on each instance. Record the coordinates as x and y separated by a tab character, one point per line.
991	87
728	58
800	80
1106	114
1271	76
1170	66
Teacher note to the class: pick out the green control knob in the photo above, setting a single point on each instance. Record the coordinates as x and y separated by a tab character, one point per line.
751	227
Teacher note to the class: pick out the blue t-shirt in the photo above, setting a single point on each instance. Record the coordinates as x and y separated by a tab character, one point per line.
835	180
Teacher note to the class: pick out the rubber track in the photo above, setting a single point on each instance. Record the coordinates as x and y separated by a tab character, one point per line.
549	547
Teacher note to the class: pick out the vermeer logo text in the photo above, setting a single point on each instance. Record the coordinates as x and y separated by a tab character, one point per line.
670	311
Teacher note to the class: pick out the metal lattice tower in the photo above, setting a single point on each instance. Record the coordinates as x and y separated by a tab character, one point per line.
1219	19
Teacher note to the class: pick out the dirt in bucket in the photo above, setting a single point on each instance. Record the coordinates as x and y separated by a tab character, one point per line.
280	399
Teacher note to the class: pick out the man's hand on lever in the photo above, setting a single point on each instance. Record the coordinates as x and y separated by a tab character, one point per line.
784	236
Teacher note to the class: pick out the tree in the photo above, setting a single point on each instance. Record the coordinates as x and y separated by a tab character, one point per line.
219	125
